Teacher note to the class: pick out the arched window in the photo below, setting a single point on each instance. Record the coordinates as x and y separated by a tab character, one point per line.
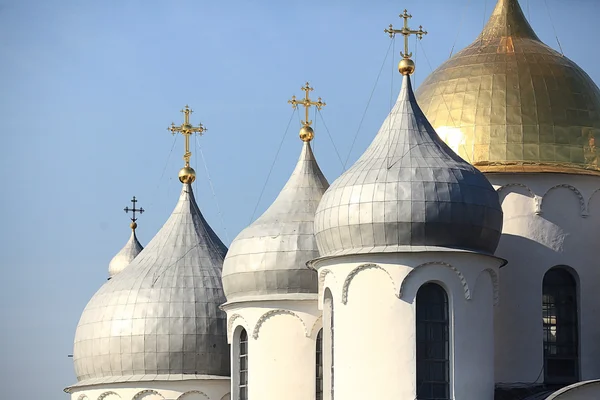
243	366
328	327
319	366
559	316
433	343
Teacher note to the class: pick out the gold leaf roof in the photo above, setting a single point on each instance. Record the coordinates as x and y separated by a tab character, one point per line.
508	102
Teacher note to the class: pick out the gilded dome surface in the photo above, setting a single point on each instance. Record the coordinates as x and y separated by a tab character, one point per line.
270	255
408	192
160	316
508	102
124	257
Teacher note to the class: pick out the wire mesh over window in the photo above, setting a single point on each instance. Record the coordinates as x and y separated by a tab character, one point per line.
319	366
243	366
433	344
559	317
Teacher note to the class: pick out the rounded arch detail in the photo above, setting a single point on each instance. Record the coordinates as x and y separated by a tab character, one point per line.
231	324
82	397
461	277
272	313
106	394
589	201
139	395
582	203
182	396
322	275
535	200
316	327
356	271
227	396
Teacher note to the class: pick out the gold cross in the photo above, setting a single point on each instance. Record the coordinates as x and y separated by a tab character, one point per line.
306	102
186	129
406	32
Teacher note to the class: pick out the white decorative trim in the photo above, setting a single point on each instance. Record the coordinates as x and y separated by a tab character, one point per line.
495	283
582	206
273	313
106	394
461	277
316	327
536	199
193	391
145	392
358	269
230	325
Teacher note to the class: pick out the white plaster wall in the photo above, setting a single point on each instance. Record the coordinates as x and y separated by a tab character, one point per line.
549	220
374	318
206	389
281	346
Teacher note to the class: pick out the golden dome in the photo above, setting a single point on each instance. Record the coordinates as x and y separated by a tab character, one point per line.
508	102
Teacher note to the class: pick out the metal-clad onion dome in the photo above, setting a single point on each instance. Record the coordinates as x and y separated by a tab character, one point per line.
124	257
269	256
510	103
408	192
159	319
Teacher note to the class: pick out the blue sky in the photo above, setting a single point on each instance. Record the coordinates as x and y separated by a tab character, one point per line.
89	87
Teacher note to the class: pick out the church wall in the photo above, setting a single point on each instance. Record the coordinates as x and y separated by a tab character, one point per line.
209	389
549	220
281	346
375	326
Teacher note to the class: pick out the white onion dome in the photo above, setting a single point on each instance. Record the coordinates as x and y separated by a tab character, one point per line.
408	192
269	256
124	257
159	319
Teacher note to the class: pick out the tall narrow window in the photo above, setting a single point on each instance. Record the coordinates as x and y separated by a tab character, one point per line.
433	344
243	366
319	366
559	316
328	340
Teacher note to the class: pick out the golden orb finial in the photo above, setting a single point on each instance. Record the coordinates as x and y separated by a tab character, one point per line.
406	65
187	175
133	225
306	132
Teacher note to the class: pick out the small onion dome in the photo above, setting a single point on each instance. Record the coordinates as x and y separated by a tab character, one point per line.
408	192
270	255
124	257
510	103
160	316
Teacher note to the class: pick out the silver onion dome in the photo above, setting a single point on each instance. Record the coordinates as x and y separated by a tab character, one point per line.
270	255
124	257
408	192
160	316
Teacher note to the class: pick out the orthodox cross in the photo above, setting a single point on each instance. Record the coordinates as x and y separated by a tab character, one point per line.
306	102
186	129
133	210
406	32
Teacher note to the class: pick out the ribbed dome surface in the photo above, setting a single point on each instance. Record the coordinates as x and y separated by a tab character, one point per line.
160	315
508	102
124	257
408	192
270	255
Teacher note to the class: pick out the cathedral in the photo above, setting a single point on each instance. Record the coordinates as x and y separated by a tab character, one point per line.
453	261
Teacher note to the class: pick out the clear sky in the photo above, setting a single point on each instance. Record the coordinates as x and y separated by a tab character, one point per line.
87	89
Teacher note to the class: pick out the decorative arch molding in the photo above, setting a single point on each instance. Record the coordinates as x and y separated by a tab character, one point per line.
461	277
273	313
231	322
82	397
182	396
495	284
355	272
535	199
106	394
143	393
590	200
322	275
582	203
227	396
316	327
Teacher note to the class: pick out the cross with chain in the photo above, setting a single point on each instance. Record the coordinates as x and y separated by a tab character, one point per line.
133	210
186	129
306	102
406	32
